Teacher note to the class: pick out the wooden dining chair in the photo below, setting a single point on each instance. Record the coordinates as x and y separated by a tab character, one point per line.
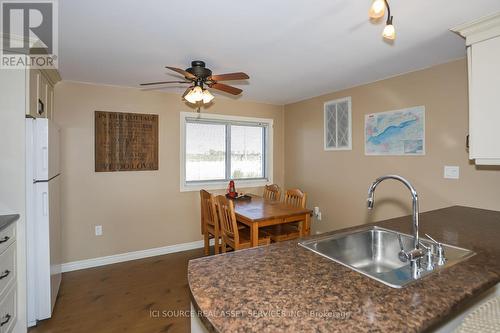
272	192
292	229
232	236
296	198
210	222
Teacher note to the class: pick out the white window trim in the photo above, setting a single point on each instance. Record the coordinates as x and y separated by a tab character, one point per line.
349	102
214	185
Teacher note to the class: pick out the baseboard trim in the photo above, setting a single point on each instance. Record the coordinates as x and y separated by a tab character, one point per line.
108	260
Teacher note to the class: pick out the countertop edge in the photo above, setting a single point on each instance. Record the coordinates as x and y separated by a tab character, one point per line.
199	313
460	305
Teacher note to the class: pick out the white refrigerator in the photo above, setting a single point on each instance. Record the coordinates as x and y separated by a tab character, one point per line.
43	212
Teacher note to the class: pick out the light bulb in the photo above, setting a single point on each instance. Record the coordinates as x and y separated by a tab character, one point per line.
389	32
195	95
377	9
207	97
189	97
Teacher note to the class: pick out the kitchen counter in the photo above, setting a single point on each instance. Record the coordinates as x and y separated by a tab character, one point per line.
6	220
286	288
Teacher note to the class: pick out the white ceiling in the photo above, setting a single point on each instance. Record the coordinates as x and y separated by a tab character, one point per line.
292	49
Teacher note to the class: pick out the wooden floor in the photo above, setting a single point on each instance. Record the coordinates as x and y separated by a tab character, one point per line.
120	297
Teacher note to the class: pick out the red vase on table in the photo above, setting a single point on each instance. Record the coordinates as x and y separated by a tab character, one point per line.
231	190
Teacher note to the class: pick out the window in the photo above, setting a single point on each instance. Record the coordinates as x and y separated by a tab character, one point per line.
216	149
338	127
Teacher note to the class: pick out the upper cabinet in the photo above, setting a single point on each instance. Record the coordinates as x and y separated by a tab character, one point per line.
483	55
39	84
41	92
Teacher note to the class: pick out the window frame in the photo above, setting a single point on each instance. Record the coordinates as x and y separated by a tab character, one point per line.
325	125
186	117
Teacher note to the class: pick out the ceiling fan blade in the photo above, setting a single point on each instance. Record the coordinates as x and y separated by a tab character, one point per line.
182	72
163	82
226	88
229	76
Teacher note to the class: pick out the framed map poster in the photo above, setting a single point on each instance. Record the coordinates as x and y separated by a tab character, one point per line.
125	141
400	132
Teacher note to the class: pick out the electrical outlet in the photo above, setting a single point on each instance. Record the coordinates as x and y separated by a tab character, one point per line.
98	230
451	172
317	213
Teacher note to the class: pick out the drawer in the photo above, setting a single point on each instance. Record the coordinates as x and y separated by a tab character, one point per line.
7	236
8	311
7	267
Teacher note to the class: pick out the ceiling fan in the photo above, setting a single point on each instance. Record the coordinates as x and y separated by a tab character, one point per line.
198	76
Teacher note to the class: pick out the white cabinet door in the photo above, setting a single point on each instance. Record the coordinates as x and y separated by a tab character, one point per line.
484	94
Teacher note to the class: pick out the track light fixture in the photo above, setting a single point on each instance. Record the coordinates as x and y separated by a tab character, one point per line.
377	10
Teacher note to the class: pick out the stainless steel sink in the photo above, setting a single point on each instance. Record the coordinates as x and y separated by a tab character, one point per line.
374	252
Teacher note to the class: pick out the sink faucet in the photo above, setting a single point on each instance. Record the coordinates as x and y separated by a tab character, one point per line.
416	253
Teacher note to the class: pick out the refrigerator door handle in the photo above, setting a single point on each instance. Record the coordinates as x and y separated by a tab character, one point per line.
45	157
45	204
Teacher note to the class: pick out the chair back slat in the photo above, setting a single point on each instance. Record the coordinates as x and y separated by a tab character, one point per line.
227	217
296	198
272	192
208	210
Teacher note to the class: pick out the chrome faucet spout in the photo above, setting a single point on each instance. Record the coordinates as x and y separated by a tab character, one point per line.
371	201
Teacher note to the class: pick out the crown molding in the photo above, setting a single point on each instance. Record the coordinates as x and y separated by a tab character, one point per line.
484	28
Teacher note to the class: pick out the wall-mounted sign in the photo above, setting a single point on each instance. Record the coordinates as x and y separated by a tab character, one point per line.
126	141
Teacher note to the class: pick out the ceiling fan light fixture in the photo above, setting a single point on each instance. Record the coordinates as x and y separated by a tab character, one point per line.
389	31
198	76
377	9
195	95
207	97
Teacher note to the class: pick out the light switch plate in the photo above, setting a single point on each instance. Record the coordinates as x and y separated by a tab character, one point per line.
98	230
451	172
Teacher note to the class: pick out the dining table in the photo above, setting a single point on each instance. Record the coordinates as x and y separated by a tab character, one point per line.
257	212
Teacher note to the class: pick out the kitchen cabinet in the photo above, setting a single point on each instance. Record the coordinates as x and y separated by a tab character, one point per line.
483	56
8	273
41	92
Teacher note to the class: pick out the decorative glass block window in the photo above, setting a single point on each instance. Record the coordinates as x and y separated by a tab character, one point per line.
338	124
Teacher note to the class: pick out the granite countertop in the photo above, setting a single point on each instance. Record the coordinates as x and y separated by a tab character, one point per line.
6	220
286	288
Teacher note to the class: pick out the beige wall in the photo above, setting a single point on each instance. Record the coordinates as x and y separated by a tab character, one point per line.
142	210
337	182
138	210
